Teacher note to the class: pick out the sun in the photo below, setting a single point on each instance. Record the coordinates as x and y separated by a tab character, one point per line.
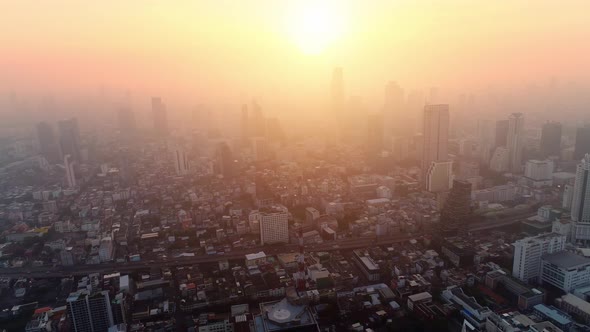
316	25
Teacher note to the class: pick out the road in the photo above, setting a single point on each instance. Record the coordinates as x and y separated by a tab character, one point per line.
127	267
499	223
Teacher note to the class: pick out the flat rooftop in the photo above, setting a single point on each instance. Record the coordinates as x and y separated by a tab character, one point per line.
566	260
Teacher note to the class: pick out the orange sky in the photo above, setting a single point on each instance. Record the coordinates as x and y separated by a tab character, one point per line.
228	50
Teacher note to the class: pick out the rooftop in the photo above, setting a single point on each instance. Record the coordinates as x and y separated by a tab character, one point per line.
566	259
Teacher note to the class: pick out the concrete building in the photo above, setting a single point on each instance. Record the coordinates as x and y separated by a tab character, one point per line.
439	177
500	159
90	312
565	270
472	311
581	201
311	215
274	227
48	143
515	141
70	174
551	139
69	138
568	197
160	116
575	306
495	194
539	173
106	249
528	253
436	135
181	162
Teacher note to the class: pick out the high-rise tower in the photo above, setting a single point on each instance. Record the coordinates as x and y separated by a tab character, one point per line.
515	141
160	116
436	135
551	139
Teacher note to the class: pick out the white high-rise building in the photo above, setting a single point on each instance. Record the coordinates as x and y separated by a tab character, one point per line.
528	253
499	160
568	197
439	177
515	141
70	175
581	201
274	227
435	135
181	162
105	250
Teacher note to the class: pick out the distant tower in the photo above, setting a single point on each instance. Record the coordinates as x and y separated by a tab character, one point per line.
394	115
582	142
501	133
48	144
224	159
69	134
160	116
435	135
515	141
551	139
181	162
70	175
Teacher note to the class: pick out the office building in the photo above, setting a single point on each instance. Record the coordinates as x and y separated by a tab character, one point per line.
439	177
515	141
48	143
575	306
528	253
375	133
90	312
160	116
224	160
501	133
274	226
582	146
70	173
456	213
181	162
500	160
565	270
539	173
435	136
551	139
580	211
69	138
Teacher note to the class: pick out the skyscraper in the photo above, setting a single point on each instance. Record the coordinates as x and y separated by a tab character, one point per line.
395	117
551	139
439	176
501	133
160	116
456	213
375	134
70	174
90	312
581	194
181	162
515	141
69	138
224	160
582	142
48	144
435	135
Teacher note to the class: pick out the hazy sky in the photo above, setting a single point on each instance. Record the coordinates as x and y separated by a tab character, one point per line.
230	50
